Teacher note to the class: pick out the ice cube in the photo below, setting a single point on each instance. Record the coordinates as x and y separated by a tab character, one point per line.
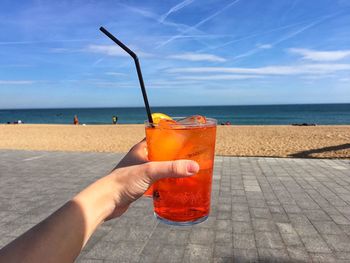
164	123
195	119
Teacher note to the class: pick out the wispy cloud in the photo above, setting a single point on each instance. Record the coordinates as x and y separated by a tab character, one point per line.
285	37
265	46
197	57
175	9
218	77
199	23
157	18
315	55
271	70
115	74
16	82
112	50
43	41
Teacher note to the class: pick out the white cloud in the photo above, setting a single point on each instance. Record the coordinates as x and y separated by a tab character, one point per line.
265	46
110	50
208	18
16	82
115	74
198	57
315	55
218	77
270	70
113	50
175	9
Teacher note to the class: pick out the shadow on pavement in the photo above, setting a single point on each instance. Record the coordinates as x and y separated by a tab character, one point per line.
308	153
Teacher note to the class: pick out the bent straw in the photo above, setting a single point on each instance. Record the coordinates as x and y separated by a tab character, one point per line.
138	68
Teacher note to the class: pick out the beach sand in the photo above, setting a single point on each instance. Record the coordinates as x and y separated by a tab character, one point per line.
269	141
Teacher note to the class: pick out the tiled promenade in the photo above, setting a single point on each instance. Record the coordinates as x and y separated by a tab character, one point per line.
263	210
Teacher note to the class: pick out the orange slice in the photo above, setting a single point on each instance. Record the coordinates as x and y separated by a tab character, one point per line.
159	116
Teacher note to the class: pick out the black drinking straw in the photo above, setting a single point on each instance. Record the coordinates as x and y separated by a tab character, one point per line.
138	68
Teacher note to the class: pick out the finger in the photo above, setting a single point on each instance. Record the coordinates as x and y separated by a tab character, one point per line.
136	155
175	169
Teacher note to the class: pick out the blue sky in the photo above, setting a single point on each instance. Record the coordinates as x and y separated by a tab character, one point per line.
191	52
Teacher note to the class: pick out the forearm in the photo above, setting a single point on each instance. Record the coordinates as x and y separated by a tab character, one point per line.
61	236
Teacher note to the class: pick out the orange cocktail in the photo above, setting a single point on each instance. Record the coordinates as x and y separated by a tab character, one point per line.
183	201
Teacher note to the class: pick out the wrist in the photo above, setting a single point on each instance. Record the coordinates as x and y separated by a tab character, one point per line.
97	203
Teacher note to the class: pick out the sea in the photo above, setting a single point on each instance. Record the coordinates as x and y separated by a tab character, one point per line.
319	114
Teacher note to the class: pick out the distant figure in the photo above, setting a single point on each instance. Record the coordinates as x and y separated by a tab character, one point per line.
76	121
114	119
225	123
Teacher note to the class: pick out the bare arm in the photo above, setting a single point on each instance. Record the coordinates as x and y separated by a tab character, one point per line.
61	236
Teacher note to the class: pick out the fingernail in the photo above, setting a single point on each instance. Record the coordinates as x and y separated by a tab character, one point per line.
192	168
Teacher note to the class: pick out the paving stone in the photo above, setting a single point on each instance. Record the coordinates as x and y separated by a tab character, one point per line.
291	239
240	216
122	251
285	228
238	192
323	258
89	260
244	241
260	213
224	215
298	254
264	225
242	228
198	253
150	251
272	255
173	254
223	250
317	215
245	255
327	227
276	209
282	218
291	209
268	240
338	242
343	255
315	244
222	260
305	229
223	236
202	236
176	237
223	225
240	208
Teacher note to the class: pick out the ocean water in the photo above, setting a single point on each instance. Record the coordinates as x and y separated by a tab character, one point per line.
325	114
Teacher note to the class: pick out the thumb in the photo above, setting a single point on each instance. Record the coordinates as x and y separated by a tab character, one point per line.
174	169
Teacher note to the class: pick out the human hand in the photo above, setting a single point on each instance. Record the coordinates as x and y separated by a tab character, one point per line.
136	155
134	175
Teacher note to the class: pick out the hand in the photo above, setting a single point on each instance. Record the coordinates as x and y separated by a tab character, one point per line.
136	155
134	175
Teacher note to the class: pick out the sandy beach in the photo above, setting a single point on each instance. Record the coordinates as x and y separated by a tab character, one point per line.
272	141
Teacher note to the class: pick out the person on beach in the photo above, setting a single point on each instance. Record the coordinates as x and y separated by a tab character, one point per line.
76	120
114	119
62	235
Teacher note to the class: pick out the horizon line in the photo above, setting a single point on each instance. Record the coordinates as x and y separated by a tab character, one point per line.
181	106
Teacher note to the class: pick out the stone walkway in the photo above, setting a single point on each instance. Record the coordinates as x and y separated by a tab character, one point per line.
263	210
